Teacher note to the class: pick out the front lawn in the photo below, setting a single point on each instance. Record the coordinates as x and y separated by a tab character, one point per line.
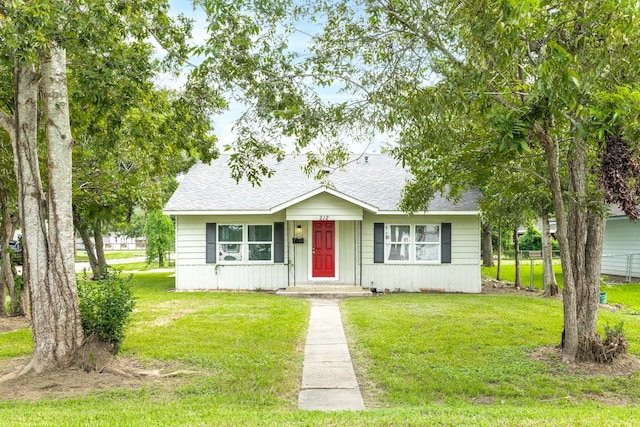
461	349
421	359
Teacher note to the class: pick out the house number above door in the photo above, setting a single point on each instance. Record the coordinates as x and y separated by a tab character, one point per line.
324	217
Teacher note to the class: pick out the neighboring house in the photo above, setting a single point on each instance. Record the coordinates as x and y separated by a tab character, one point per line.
293	230
621	249
112	241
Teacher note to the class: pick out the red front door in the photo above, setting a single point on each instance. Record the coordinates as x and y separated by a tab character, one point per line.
323	249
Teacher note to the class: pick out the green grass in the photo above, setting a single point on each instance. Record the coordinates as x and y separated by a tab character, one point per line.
461	349
81	256
246	342
142	266
421	359
508	273
627	295
15	343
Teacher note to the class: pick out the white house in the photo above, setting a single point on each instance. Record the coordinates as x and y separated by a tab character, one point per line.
621	247
293	230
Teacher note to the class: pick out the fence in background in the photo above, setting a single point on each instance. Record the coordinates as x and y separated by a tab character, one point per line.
510	254
622	265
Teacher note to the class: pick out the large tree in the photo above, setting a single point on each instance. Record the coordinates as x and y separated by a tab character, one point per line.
160	233
133	137
134	163
509	200
558	79
39	63
553	77
9	282
36	37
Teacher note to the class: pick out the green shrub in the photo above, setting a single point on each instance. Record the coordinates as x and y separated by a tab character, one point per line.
105	307
160	234
531	240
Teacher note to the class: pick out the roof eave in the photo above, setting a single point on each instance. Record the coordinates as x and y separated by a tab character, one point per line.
431	213
212	212
321	190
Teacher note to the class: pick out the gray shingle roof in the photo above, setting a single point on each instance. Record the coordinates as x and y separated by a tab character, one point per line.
378	182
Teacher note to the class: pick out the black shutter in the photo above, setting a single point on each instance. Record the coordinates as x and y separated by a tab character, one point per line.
278	242
445	242
211	243
378	242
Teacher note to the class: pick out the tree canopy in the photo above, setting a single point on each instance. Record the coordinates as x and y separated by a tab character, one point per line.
467	89
128	137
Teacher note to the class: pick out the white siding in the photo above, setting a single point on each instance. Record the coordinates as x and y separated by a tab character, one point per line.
324	206
417	278
621	239
347	257
190	233
299	252
192	272
231	277
462	275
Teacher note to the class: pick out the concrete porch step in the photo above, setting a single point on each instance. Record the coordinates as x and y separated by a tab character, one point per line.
324	291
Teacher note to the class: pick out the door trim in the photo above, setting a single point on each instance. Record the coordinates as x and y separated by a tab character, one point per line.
336	255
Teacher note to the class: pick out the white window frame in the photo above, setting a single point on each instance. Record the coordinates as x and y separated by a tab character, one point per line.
401	241
437	244
411	244
257	242
244	244
219	242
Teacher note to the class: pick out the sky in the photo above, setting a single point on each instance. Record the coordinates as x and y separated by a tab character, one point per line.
224	122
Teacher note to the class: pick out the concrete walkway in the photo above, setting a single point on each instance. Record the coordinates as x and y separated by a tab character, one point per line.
328	380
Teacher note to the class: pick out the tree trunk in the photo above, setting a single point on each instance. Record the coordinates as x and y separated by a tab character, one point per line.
4	285
499	250
6	278
589	295
48	243
8	272
516	248
102	260
31	205
61	298
23	298
585	240
487	246
570	332
88	244
549	277
3	294
9	223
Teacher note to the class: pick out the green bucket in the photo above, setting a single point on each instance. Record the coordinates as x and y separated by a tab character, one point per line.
603	297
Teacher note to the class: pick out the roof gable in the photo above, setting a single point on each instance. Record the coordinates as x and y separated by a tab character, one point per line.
375	185
321	190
